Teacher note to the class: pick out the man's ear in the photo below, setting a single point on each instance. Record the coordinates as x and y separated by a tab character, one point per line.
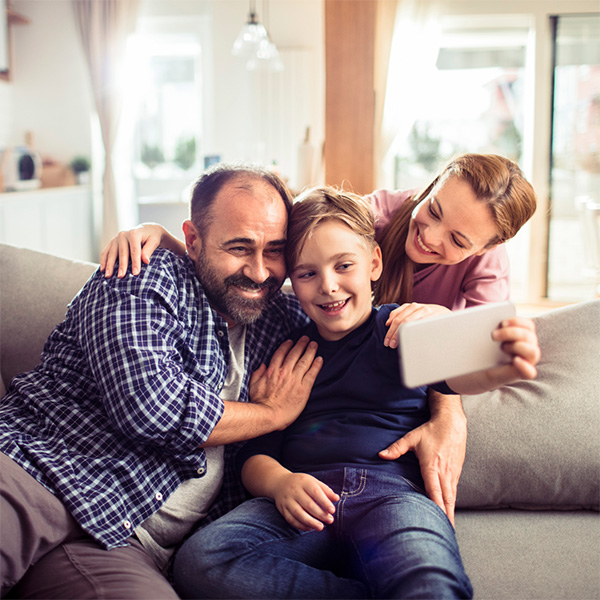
376	264
193	241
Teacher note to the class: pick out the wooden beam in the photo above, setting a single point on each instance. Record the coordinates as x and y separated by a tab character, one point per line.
349	93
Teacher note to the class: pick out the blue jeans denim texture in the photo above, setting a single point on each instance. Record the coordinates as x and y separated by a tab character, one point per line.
388	541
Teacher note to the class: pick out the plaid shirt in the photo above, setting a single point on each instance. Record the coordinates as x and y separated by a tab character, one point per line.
127	389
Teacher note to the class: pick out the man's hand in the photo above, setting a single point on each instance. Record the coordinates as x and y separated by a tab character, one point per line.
278	393
284	386
440	445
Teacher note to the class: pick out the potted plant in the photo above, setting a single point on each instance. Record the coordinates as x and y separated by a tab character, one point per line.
185	153
80	165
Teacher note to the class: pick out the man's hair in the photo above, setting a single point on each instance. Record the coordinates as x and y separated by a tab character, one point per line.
209	184
326	203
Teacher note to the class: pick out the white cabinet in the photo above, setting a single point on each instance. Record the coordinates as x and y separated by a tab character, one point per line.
54	220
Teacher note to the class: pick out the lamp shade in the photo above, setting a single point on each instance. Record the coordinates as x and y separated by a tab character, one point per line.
254	45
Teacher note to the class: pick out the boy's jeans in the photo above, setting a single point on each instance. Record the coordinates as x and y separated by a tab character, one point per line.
388	541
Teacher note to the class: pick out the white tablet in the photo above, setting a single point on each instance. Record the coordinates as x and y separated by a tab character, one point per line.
457	343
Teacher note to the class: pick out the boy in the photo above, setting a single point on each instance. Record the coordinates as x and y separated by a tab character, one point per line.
330	517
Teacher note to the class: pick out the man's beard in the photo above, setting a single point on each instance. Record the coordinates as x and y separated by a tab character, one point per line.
225	299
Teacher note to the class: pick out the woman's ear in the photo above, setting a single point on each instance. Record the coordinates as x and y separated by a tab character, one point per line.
193	241
487	248
376	264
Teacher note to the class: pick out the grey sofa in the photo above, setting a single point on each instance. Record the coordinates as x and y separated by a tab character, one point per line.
527	518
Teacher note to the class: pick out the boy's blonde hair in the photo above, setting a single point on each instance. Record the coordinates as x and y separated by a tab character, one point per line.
319	204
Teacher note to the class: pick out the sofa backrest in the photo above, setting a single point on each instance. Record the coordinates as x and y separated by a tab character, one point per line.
536	444
35	290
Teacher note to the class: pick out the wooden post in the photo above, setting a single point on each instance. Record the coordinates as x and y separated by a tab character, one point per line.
349	93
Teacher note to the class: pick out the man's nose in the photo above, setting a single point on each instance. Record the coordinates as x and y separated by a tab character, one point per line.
257	270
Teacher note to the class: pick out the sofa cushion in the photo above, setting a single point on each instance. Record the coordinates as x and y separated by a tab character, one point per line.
35	290
536	444
516	554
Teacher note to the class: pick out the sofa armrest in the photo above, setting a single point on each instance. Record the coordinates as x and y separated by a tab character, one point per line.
35	290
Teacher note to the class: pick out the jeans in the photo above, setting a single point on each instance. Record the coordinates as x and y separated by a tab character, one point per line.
388	540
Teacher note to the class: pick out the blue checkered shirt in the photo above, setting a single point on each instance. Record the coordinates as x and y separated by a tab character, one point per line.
127	389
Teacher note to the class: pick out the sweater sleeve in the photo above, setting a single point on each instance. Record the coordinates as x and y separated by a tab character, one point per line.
487	278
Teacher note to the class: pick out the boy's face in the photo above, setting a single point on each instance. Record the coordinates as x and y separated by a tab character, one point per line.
332	279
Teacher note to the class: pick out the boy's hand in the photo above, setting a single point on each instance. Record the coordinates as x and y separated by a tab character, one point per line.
409	312
305	502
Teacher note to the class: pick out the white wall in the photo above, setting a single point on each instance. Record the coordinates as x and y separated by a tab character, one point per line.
50	93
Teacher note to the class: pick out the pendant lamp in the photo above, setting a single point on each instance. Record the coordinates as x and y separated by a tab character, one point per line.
254	45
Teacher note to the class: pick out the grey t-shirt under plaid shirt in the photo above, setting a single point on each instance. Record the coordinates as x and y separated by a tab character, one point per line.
127	390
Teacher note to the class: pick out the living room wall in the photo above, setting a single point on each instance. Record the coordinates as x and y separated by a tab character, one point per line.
50	95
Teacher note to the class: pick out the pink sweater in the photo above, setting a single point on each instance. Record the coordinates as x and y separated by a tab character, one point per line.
476	280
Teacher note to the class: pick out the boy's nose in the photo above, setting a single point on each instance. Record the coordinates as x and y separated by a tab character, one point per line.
329	285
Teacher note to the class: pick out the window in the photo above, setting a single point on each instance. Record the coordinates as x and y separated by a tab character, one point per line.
575	175
472	100
489	90
167	112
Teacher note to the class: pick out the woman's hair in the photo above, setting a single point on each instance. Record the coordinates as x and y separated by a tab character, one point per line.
209	184
495	181
316	205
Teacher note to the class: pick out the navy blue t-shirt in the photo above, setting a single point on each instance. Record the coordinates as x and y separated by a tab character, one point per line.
357	407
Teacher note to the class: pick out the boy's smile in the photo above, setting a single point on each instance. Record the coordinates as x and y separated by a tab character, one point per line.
332	279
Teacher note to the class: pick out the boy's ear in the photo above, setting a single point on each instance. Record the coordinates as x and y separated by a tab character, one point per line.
193	241
376	264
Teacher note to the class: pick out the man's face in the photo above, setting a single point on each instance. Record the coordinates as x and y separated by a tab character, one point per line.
240	258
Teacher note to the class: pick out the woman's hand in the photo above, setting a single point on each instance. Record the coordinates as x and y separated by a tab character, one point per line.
440	445
305	502
409	312
519	340
137	245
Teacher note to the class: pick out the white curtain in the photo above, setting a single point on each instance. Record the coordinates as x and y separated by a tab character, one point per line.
412	56
104	27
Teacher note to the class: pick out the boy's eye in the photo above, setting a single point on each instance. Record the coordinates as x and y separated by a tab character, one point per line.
344	266
305	275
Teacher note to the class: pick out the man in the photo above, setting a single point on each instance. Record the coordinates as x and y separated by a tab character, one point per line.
112	448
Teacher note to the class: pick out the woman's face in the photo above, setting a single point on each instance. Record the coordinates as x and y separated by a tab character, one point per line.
449	225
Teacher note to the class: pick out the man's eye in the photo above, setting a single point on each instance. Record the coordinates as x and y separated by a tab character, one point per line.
275	251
